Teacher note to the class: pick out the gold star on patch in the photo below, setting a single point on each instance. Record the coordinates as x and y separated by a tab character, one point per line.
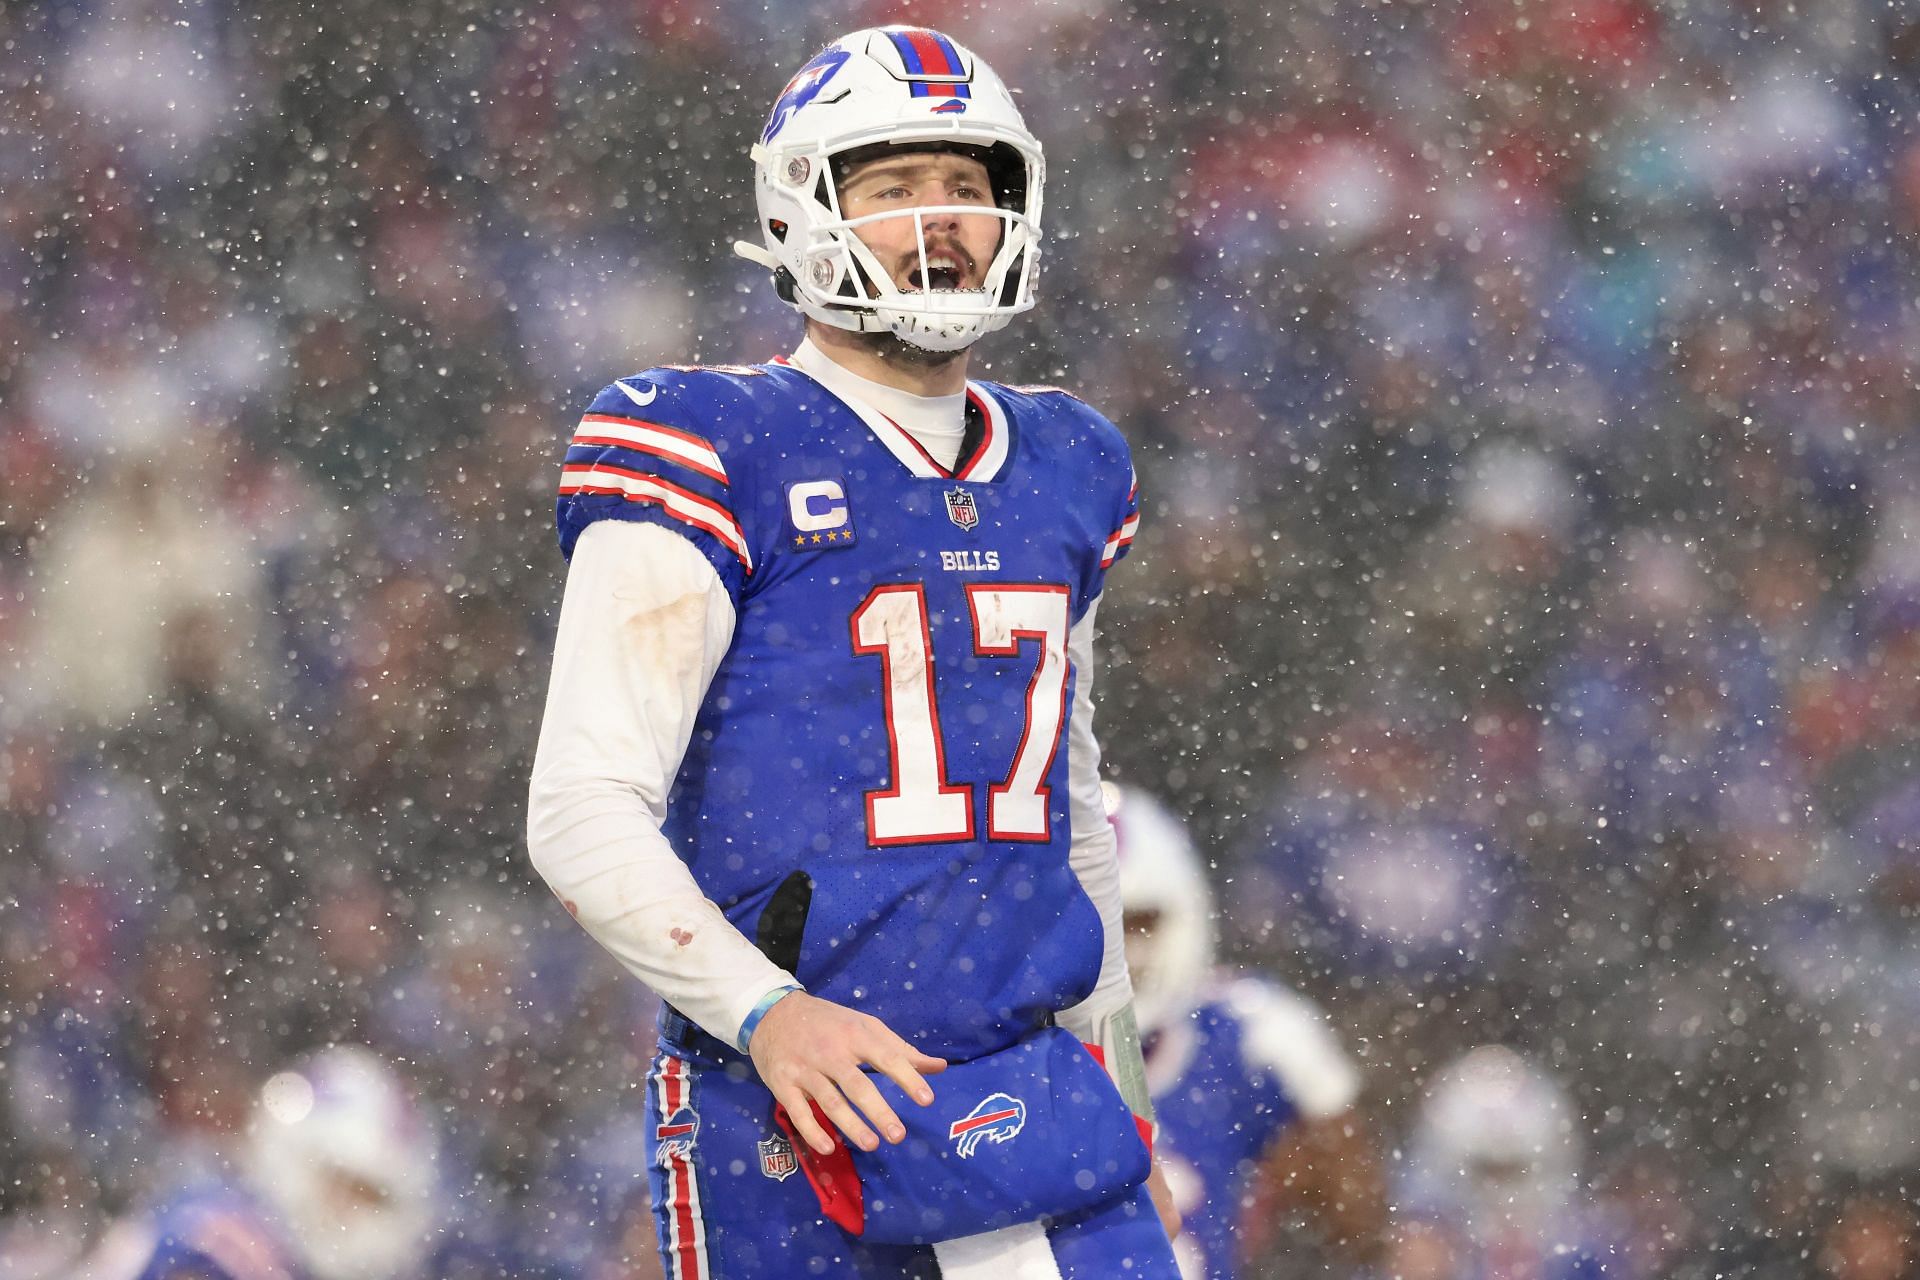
816	537
799	539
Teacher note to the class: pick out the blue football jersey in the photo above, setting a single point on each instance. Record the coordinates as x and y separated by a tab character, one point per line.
210	1231
889	718
1228	1081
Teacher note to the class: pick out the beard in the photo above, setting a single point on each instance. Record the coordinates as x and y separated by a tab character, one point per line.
897	351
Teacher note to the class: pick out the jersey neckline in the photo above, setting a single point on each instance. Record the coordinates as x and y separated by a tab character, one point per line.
987	461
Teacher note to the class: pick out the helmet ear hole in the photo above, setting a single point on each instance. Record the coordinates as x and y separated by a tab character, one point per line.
783	285
1007	170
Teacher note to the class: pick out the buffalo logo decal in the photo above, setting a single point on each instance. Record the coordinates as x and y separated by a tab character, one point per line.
675	1136
998	1118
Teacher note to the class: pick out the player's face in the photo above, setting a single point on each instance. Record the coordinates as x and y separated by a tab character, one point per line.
1140	926
959	245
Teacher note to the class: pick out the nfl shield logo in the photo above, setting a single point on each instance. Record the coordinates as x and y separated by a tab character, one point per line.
777	1159
960	509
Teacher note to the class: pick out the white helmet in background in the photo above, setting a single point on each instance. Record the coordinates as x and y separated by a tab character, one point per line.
1495	1144
906	87
1161	876
345	1157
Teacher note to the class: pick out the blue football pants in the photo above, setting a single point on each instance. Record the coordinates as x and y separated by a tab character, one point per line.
729	1202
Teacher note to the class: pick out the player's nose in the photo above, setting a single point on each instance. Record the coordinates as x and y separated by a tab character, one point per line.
941	220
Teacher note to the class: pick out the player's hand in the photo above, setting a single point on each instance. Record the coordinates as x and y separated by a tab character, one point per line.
1163	1200
810	1050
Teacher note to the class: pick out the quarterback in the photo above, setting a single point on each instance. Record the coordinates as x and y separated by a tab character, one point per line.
817	761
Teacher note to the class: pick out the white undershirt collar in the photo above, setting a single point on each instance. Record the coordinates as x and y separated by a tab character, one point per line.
937	423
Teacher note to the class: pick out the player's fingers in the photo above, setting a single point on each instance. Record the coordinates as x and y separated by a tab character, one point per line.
905	1071
800	1111
892	1051
861	1093
835	1104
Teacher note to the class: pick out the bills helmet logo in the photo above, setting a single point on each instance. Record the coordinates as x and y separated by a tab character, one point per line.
999	1118
675	1137
777	1160
802	89
962	510
951	107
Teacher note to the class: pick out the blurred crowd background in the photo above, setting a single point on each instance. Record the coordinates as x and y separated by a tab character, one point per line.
1526	611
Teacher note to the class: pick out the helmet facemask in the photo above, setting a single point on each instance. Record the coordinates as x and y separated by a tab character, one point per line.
842	274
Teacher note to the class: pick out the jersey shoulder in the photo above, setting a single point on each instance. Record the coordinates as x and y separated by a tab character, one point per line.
1060	408
706	399
218	1234
676	445
1059	424
1287	1036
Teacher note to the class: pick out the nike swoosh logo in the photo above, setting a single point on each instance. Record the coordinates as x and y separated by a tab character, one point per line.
642	400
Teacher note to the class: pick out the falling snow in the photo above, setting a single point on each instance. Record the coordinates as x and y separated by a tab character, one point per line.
1525	614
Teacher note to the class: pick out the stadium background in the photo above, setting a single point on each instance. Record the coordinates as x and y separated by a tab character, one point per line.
1526	610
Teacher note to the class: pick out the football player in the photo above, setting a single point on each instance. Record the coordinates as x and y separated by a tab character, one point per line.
817	761
337	1182
1490	1186
1255	1096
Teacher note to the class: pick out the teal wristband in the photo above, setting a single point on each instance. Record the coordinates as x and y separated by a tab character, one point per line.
767	1002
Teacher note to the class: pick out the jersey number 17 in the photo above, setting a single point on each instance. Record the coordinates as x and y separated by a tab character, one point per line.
922	806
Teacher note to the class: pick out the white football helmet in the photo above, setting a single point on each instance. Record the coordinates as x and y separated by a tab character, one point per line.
1496	1145
345	1157
1160	872
900	86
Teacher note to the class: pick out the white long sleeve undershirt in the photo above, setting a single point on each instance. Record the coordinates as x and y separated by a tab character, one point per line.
644	624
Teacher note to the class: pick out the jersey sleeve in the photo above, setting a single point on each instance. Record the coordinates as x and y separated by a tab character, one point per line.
1105	1018
643	627
1126	523
643	453
1288	1037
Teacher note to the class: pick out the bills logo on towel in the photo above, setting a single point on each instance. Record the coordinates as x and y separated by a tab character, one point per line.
998	1118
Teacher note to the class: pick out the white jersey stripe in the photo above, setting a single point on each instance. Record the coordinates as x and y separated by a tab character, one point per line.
1121	537
689	1170
999	436
667	1062
681	504
676	446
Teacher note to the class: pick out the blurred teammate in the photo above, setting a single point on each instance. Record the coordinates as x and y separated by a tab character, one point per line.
337	1182
1254	1095
817	761
1489	1189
